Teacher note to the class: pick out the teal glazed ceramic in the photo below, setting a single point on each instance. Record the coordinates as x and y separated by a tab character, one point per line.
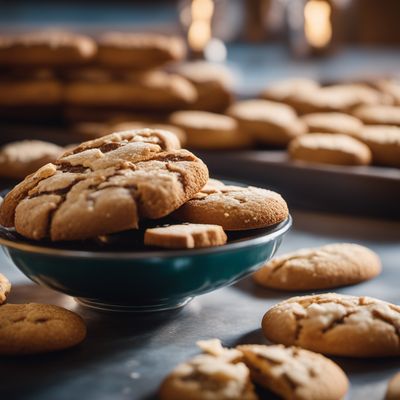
105	275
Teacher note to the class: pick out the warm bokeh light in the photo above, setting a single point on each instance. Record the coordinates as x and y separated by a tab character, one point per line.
318	27
199	33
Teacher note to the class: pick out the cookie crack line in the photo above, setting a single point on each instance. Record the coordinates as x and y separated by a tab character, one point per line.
338	321
376	315
283	264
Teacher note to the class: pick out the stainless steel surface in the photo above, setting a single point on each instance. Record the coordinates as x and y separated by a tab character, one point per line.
126	356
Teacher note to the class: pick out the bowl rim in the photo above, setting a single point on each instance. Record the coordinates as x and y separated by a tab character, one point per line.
277	231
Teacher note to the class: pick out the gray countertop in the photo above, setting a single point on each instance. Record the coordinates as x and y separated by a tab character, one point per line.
127	356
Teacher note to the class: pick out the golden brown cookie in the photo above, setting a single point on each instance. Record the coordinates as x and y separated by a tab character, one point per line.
268	122
214	347
38	328
138	50
393	390
294	373
392	88
185	236
207	377
206	130
212	186
332	123
378	114
105	185
46	48
324	148
19	159
5	286
234	208
323	267
213	83
336	324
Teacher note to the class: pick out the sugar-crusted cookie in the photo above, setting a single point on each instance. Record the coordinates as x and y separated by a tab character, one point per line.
206	130
207	377
269	122
38	328
323	267
332	123
19	159
213	185
294	373
5	286
324	148
378	114
336	324
105	185
234	208
46	48
138	50
185	236
393	390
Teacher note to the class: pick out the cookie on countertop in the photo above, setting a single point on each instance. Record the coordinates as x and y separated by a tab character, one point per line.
105	185
138	50
19	159
323	267
378	114
336	324
206	130
393	390
332	123
234	208
268	122
46	48
294	373
206	377
5	286
38	328
185	236
324	148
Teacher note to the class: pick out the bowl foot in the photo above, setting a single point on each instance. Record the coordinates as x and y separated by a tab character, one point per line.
131	308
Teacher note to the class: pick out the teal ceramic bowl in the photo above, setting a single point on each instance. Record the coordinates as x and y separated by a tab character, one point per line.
120	274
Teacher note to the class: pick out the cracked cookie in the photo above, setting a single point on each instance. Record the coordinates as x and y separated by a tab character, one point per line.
234	208
206	377
323	267
105	185
378	114
324	148
38	328
185	236
294	373
5	288
336	324
393	390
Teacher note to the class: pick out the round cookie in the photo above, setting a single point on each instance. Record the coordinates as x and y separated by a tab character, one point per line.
294	373
19	159
205	130
138	50
332	123
105	185
268	122
324	148
393	390
207	377
378	114
5	286
323	267
336	324
38	328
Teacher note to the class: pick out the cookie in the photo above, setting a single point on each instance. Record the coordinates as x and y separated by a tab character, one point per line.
207	377
234	208
294	373
105	185
212	186
19	159
324	148
323	267
268	122
213	83
384	143
38	328
392	89
186	236
214	347
138	50
5	285
46	48
393	390
336	324
153	90
332	123
378	114
205	130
